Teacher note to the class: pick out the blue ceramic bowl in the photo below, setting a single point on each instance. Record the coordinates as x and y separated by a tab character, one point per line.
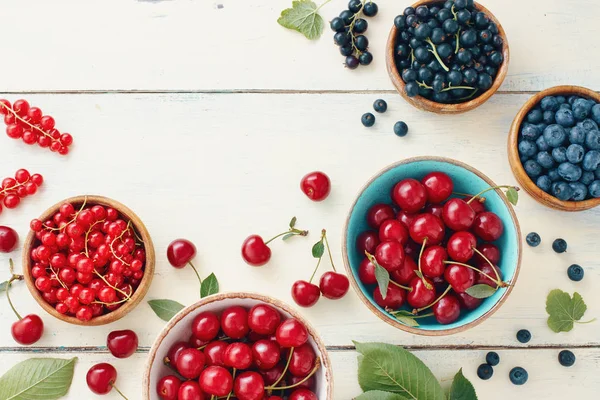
466	180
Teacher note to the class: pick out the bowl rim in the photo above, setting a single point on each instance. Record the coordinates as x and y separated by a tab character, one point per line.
513	154
139	293
278	304
450	108
386	318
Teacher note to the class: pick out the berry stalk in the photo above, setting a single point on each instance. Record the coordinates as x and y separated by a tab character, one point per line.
420	273
498	282
287	366
488	261
118	391
13	278
307	377
493	188
418	310
433	50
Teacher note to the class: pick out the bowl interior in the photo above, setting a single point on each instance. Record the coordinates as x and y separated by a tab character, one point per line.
465	181
178	329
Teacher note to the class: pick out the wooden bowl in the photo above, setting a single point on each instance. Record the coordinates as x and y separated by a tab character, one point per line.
178	328
442	108
466	179
513	152
139	293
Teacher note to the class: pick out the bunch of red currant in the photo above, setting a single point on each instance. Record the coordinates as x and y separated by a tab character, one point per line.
19	187
86	262
437	250
247	355
28	123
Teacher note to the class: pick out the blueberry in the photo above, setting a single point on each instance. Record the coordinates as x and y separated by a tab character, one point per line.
400	22
412	89
594	189
555	135
561	100
380	106
592	140
564	117
588	125
361	25
559	245
370	9
544	183
545	159
400	128
596	113
580	113
591	160
562	191
553	175
575	272
531	132
532	168
485	371
559	154
587	177
523	336
533	239
549	103
361	42
365	58
337	24
518	376
580	191
566	358
564	107
409	75
577	135
535	116
572	99
583	103
569	172
549	117
575	153
597	173
541	144
368	119
492	358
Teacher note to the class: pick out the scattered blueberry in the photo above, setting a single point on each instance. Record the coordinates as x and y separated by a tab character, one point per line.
523	336
533	239
575	272
518	376
400	128
485	371
559	245
368	119
380	106
492	358
566	358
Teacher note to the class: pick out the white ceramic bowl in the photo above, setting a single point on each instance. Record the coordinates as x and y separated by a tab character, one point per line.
179	329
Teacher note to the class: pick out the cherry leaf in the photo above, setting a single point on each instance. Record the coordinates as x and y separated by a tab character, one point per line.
480	291
3	286
293	222
318	249
462	388
38	378
512	195
165	309
380	395
406	320
383	279
303	17
209	286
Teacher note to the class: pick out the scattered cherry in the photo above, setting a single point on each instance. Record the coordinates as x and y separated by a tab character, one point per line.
29	329
333	285
8	239
316	186
256	252
101	379
305	294
122	344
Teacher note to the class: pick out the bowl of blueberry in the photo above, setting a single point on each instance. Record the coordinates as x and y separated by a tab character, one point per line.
554	148
432	246
447	57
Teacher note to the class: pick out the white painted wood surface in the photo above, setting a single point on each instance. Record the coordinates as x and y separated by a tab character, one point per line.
230	163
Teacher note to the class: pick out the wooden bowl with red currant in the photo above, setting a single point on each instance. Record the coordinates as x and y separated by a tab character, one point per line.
432	245
238	345
88	260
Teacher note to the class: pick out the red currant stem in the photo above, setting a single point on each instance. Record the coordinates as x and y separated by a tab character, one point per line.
72	219
489	262
492	188
497	282
118	391
328	250
57	277
307	377
409	289
418	310
127	297
287	365
5	191
480	199
87	233
427	284
27	123
292	231
197	274
110	304
117	238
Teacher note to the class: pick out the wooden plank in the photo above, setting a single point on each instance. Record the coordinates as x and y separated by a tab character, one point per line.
216	168
227	45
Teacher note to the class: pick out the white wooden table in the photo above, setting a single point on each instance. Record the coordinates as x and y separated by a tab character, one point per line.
203	116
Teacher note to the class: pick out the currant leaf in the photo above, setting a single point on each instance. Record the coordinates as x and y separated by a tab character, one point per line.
563	311
3	286
293	222
303	17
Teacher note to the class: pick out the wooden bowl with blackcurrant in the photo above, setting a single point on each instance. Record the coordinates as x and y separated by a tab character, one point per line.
447	57
88	260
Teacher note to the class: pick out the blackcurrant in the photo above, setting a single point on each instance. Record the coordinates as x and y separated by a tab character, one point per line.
361	25
352	62
337	24
347	16
361	42
409	75
400	22
365	58
341	38
370	9
412	89
355	5
346	49
422	11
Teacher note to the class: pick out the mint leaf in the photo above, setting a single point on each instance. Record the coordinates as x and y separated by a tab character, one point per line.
392	369
462	388
379	395
304	18
480	291
165	309
38	378
209	286
563	310
318	249
512	195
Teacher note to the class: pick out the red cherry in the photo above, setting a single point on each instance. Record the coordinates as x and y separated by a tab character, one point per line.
302	394
459	277
275	397
238	355
305	294
427	226
420	296
447	309
168	387
406	218
379	213
180	252
488	226
272	375
216	381
101	378
460	246
476	205
410	195
190	390
366	272
367	241
438	186
316	186
28	329
490	251
291	333
405	273
458	215
435	209
196	343
333	285
266	354
234	322
263	319
8	239
488	270
390	255
249	385
255	252
307	384
468	302
303	360
122	344
432	261
412	249
206	326
392	229
394	299
190	363
214	353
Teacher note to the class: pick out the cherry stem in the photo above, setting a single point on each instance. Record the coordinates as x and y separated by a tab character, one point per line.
489	262
307	377
316	269
480	199
418	310
291	231
118	391
427	284
14	277
405	314
409	289
198	275
287	365
497	282
328	250
492	188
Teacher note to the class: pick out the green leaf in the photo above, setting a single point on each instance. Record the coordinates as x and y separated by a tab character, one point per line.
406	320
383	279
209	286
480	291
512	195
462	388
38	379
380	395
288	236
165	309
392	369
3	286
563	311
293	222
318	249
304	18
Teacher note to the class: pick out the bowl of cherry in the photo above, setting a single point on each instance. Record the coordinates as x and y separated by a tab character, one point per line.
238	345
88	260
432	245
